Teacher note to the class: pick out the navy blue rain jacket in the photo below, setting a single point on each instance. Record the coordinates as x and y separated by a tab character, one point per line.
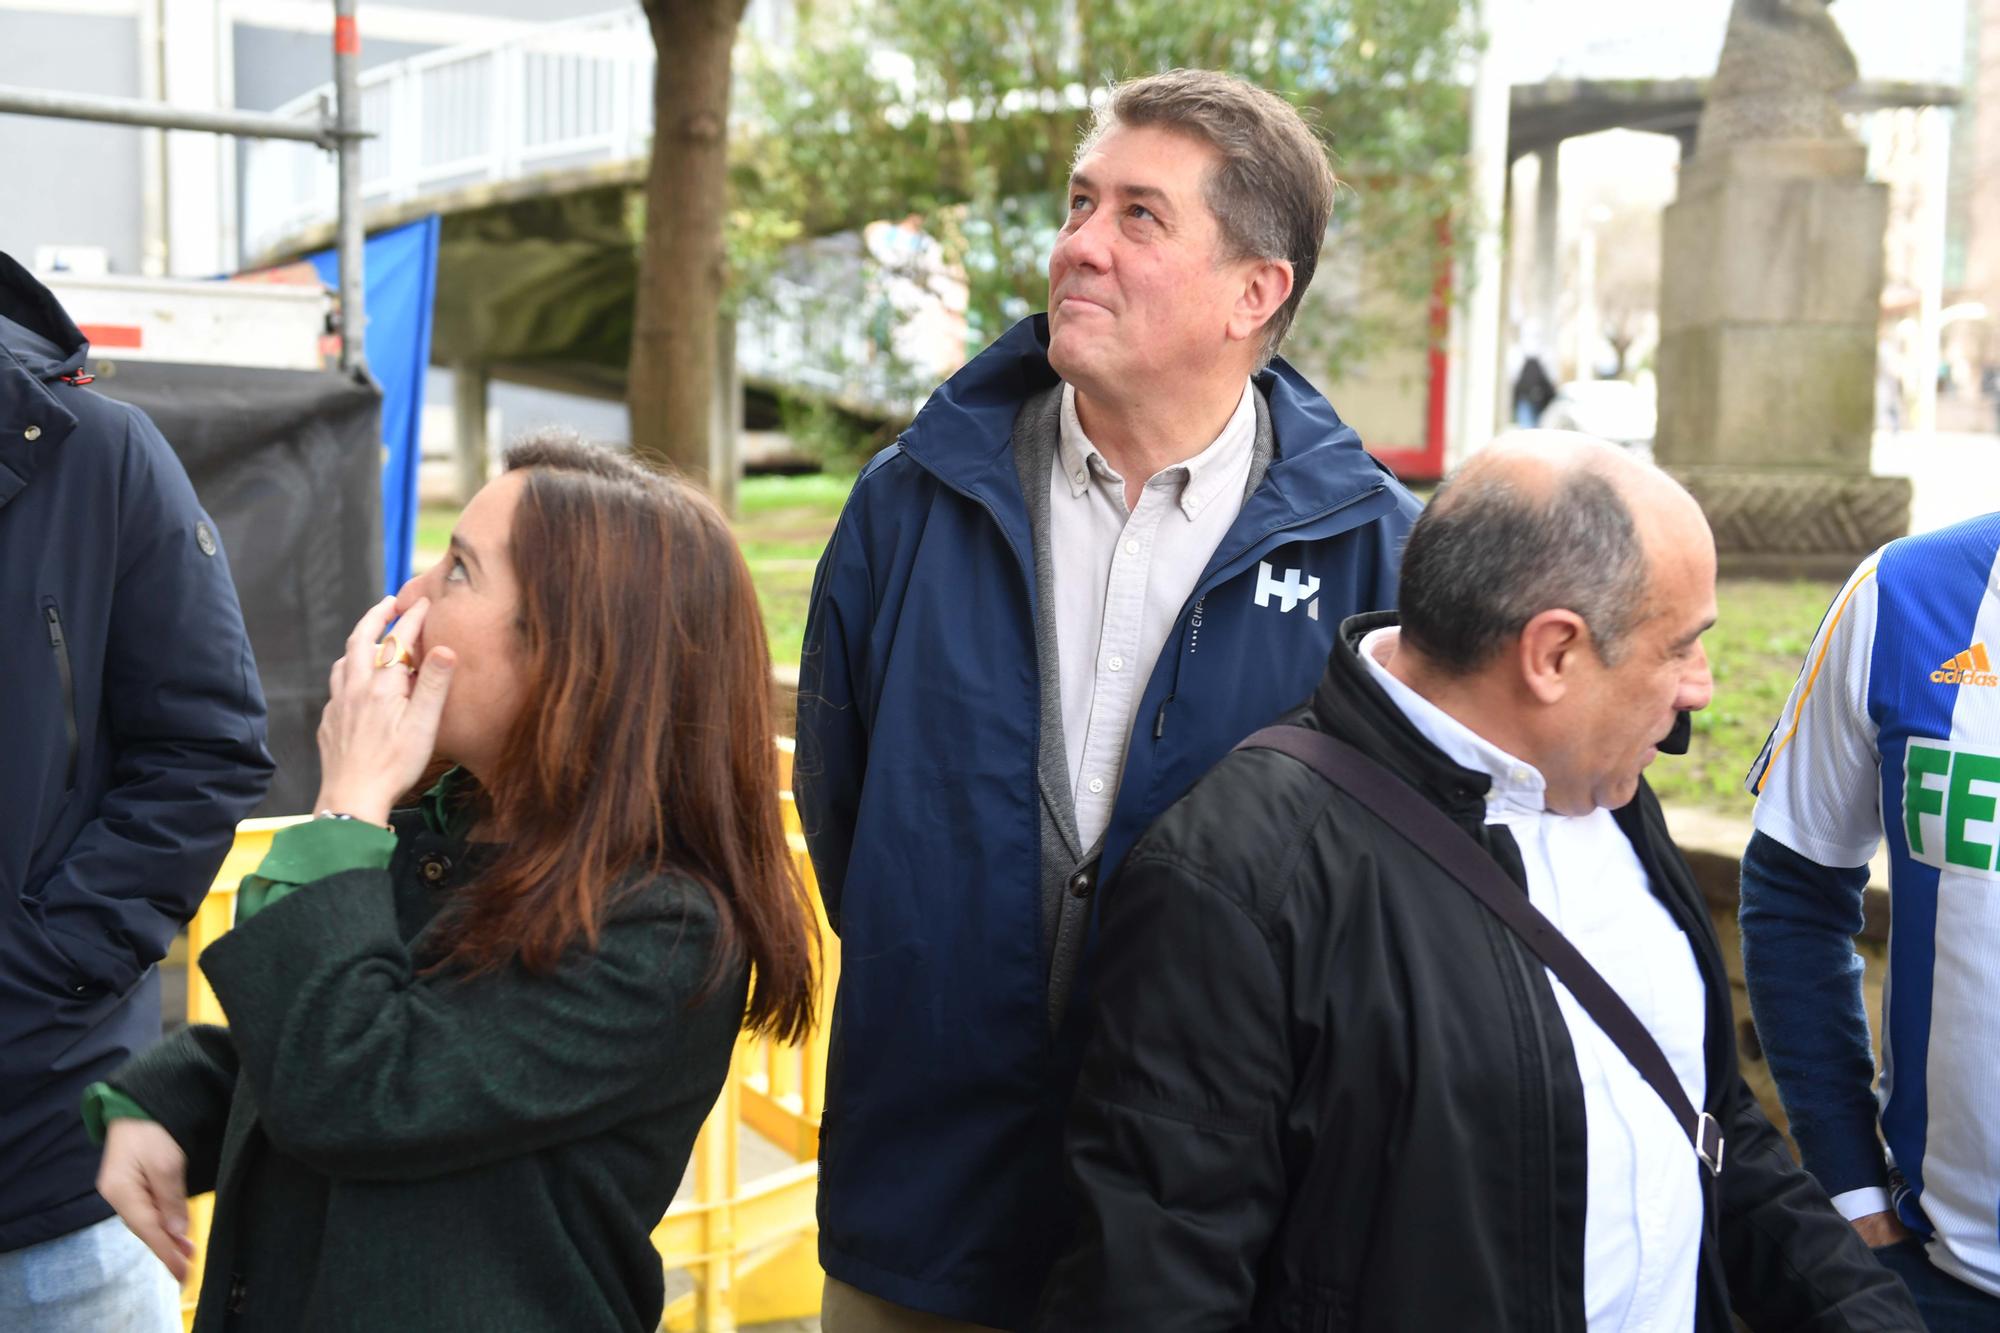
131	741
919	731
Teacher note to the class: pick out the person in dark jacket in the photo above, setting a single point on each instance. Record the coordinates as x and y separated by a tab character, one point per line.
1111	545
471	1042
1533	391
1329	1089
132	742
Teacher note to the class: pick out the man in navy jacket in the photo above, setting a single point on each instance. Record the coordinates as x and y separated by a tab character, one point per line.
131	741
1118	541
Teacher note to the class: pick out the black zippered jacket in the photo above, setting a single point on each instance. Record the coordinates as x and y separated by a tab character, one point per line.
131	741
1327	1090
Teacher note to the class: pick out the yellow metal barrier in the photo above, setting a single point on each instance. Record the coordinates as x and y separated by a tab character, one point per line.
751	1247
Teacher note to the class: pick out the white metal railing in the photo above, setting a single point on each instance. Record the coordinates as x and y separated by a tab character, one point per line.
569	94
577	93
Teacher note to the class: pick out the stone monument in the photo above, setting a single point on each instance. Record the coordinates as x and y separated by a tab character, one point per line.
1770	294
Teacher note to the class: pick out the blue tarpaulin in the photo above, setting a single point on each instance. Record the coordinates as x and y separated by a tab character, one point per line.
400	268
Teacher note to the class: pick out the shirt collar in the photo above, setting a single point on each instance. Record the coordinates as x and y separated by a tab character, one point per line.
446	804
1202	479
1518	786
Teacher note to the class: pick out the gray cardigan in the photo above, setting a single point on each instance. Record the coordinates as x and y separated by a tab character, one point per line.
1066	915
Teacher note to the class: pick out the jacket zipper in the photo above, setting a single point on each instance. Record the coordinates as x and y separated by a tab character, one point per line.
1024	566
1224	571
1548	1109
57	644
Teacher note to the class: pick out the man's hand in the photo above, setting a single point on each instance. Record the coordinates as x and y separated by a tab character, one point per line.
144	1176
1880	1229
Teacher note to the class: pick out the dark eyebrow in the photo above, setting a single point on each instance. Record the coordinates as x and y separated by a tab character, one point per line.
1688	642
464	548
1152	192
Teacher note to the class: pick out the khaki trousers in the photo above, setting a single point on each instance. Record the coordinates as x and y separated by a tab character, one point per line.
845	1309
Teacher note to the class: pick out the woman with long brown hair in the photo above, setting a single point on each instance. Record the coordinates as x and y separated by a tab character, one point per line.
471	1040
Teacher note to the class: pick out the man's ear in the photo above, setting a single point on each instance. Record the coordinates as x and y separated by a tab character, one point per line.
1267	284
1550	651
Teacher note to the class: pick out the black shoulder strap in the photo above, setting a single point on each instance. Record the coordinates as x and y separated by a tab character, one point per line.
1427	828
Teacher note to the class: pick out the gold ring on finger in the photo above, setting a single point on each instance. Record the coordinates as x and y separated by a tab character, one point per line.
392	651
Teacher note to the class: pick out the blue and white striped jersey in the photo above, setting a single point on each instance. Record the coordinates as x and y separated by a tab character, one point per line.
1893	730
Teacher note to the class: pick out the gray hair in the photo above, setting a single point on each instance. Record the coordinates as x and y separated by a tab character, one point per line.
1480	565
1272	193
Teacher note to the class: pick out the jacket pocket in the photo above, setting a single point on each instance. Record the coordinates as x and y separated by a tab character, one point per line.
66	680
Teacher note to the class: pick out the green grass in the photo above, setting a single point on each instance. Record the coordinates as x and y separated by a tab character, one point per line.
818	493
782	526
1760	639
434	525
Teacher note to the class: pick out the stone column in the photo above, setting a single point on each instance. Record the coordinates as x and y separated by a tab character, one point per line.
1548	255
1770	294
472	450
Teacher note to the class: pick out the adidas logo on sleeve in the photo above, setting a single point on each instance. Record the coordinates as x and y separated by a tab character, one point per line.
1971	667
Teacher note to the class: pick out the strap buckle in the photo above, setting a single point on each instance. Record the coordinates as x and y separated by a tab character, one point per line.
1708	1142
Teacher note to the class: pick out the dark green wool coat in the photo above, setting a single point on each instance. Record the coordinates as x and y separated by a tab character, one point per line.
396	1153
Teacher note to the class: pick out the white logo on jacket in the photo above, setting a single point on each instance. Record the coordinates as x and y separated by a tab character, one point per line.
1289	590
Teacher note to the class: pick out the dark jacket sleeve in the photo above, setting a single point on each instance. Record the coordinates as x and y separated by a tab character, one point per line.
1794	1264
365	1068
1174	1138
185	716
1799	919
832	756
185	1083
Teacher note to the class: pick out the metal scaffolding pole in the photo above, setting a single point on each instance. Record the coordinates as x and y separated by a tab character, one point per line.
338	131
353	232
158	115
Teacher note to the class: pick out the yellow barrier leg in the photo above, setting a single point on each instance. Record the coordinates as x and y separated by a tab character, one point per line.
715	1185
784	1283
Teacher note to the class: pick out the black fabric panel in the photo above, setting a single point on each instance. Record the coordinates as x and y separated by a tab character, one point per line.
289	465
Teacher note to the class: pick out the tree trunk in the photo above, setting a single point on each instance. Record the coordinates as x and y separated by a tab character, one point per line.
672	376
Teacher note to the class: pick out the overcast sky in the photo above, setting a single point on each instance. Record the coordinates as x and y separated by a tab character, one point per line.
1913	40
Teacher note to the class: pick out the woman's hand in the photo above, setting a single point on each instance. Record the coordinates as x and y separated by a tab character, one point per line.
381	721
144	1176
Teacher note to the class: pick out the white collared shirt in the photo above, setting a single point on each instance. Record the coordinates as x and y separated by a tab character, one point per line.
1642	1228
1121	578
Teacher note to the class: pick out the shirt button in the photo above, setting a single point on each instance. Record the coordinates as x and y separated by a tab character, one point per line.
32	433
1082	477
1519	775
1116	663
1096	786
1131	548
1193	504
1079	884
435	868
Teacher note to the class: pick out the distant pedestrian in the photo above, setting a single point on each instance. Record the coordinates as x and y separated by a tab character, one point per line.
1533	391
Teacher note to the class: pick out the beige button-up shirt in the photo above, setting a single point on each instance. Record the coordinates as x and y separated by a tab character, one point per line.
1121	579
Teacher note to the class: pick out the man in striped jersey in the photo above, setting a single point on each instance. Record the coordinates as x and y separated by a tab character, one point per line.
1893	729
